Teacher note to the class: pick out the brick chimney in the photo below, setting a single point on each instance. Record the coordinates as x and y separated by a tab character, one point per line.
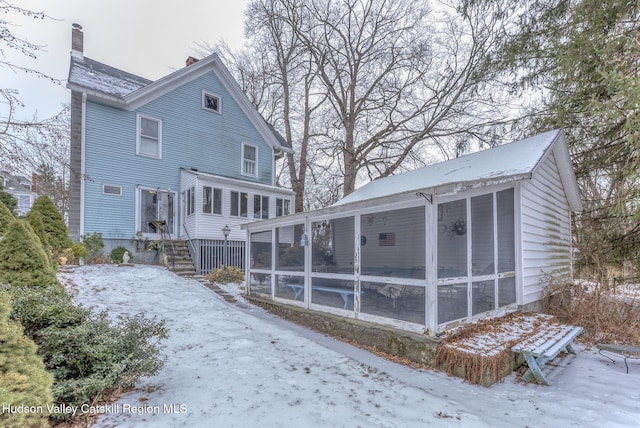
191	60
34	182
77	41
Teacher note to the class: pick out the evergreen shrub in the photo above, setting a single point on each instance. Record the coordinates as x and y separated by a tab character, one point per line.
54	224
23	378
87	355
6	217
94	245
117	253
23	261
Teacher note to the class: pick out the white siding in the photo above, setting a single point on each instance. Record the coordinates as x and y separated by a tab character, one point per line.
546	230
187	181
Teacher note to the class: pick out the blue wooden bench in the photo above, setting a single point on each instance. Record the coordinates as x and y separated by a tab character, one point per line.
345	293
544	346
296	288
625	351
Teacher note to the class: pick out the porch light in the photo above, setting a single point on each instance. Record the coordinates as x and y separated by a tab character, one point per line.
225	231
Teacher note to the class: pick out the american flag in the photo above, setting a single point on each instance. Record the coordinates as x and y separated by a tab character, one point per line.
387	239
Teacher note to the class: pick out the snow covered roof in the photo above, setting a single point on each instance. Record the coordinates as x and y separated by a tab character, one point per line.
99	77
509	162
111	86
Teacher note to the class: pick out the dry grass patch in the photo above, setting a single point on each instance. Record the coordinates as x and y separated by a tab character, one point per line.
607	314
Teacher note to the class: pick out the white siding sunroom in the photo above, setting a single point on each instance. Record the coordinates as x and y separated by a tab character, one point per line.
447	243
211	202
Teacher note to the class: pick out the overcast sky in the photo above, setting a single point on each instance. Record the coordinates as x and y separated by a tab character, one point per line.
150	38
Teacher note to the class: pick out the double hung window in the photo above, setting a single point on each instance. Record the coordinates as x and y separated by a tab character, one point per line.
249	160
149	141
211	200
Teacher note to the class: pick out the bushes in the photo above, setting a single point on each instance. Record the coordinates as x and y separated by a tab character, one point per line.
23	378
117	253
6	217
94	245
53	224
23	261
86	354
94	356
225	276
604	316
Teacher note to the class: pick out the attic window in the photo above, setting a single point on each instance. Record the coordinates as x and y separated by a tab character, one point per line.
211	102
109	189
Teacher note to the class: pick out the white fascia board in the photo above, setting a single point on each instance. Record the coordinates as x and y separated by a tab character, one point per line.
240	183
567	175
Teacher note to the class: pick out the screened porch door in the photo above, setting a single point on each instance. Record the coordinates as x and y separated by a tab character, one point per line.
156	205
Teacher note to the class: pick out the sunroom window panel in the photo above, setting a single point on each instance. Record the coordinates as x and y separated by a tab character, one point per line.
217	201
332	292
244	204
482	235
239	204
333	245
392	243
290	287
207	202
234	206
483	296
506	291
452	302
260	283
506	232
265	207
290	254
261	250
396	301
452	239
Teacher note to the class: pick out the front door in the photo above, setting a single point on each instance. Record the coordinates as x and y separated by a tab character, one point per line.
156	205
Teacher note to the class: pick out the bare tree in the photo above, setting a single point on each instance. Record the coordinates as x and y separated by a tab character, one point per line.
39	145
398	74
364	88
278	75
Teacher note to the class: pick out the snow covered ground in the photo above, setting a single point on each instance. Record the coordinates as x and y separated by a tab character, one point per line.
238	366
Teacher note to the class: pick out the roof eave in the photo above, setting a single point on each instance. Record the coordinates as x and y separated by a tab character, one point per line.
107	99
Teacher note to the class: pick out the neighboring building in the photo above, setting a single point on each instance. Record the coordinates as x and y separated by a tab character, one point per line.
188	149
448	243
22	189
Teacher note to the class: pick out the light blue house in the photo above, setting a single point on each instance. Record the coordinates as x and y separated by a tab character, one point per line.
188	149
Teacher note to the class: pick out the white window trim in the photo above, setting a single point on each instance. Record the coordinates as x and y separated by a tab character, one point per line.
111	185
283	199
242	160
190	201
139	130
211	94
213	192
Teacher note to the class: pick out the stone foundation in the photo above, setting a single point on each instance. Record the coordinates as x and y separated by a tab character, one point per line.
403	344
